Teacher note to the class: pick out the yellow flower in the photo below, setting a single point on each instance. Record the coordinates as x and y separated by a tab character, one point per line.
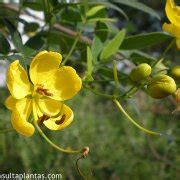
173	14
41	93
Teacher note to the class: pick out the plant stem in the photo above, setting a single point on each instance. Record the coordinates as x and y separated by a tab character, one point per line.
116	92
132	121
78	169
99	93
72	48
46	138
52	144
164	53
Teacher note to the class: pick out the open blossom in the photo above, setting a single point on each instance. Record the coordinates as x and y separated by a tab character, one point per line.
42	93
173	14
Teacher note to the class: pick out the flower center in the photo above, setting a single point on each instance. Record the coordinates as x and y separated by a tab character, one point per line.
42	91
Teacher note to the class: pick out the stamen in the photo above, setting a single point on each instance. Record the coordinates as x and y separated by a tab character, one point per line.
58	122
43	118
43	91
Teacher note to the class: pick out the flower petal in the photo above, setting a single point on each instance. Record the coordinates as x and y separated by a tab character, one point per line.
20	116
10	102
62	121
43	66
64	84
17	80
172	29
49	107
173	12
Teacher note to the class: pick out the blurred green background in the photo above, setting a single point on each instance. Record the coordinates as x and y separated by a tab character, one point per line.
118	150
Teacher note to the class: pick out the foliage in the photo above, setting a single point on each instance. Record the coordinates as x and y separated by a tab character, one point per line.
91	35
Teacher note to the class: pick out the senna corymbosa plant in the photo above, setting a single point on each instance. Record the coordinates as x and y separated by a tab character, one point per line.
40	82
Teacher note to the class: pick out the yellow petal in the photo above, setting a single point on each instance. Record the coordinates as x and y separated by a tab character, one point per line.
172	29
62	121
173	12
43	66
17	81
20	116
49	107
64	84
10	102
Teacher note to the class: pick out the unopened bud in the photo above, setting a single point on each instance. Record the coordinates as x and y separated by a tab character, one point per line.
175	72
141	72
161	86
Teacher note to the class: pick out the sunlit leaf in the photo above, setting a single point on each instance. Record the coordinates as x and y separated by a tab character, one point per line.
89	65
94	10
96	47
112	46
101	19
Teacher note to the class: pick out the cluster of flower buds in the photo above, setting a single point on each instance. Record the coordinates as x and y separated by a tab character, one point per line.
158	86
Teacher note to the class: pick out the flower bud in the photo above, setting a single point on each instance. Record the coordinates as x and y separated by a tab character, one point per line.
161	86
175	72
141	72
177	99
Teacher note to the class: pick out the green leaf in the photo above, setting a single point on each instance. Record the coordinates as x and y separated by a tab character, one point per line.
118	9
101	19
17	40
106	72
112	47
36	42
94	10
15	35
96	47
13	57
101	30
89	65
144	40
139	57
139	6
31	27
4	45
71	14
33	5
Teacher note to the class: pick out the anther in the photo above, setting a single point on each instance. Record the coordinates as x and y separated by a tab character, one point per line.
60	121
43	91
43	118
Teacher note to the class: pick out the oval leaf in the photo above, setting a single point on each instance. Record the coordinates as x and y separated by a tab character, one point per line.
94	10
139	6
112	47
144	40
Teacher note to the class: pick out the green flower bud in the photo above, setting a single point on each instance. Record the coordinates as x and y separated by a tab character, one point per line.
141	72
161	86
175	72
